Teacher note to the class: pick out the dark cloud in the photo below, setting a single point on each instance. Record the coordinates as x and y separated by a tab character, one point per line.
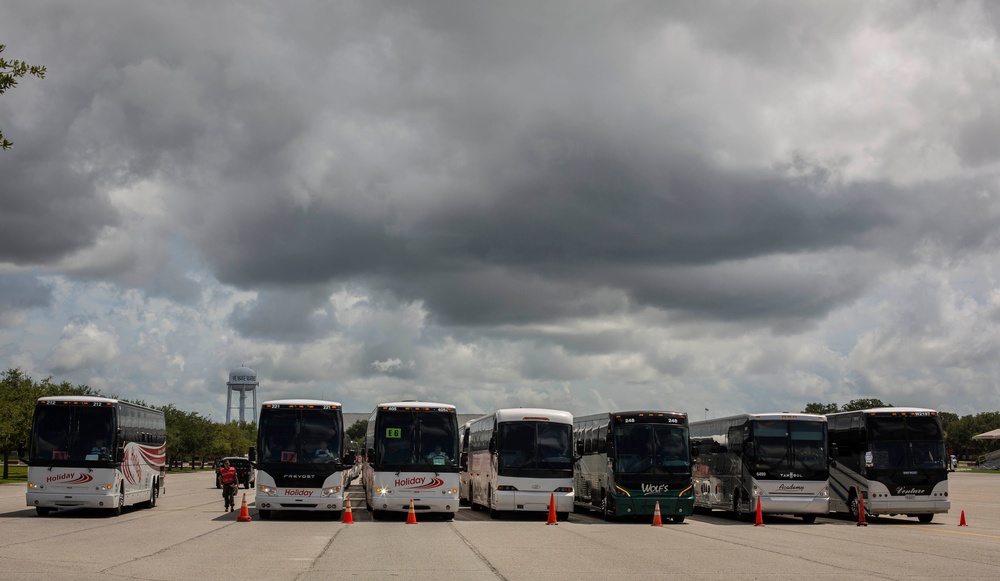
23	291
47	210
287	315
542	190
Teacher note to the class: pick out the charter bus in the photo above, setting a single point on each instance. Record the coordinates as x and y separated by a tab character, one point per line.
94	452
411	456
630	460
519	460
893	458
776	459
299	458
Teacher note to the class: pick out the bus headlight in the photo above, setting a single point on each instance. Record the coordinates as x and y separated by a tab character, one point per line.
564	489
269	490
452	491
330	491
380	490
506	487
35	486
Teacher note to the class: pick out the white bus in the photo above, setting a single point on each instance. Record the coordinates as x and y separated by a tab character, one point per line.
519	458
894	458
94	452
411	455
778	459
300	459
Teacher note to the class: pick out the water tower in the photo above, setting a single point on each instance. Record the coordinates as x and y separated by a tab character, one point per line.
241	379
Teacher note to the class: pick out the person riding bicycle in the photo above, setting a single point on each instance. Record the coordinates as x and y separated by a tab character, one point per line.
230	482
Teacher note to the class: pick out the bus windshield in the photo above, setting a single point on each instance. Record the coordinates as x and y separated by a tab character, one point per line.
300	436
651	449
903	443
409	438
535	449
73	433
785	449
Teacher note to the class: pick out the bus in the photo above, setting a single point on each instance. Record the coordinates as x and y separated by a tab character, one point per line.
893	458
411	459
632	460
299	458
464	487
776	460
519	460
94	452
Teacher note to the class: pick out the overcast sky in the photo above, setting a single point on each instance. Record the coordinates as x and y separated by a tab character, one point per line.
586	205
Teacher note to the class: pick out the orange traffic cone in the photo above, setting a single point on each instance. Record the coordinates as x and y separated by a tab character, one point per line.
244	512
411	518
861	510
657	520
759	522
962	522
552	510
348	515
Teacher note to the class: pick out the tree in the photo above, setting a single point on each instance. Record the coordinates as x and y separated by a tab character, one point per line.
863	404
18	394
10	72
821	408
357	433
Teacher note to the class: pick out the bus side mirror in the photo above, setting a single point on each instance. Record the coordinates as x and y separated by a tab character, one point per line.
20	450
120	455
493	445
370	455
463	460
695	448
834	452
579	447
252	454
349	457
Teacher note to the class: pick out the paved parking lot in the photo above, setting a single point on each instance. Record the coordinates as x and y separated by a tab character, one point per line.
188	536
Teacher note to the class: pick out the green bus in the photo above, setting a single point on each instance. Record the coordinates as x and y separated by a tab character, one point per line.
632	460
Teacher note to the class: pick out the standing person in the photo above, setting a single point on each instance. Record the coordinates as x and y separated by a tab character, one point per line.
230	482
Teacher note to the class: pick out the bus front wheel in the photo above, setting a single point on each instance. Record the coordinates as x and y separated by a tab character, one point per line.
42	510
854	506
607	507
925	518
741	515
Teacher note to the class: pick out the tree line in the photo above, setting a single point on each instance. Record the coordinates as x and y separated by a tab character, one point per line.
189	434
958	431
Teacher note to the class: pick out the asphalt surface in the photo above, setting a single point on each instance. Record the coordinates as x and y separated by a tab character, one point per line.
187	536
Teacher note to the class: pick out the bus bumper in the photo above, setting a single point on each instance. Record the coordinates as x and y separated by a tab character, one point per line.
903	506
533	501
72	499
317	502
421	504
784	505
640	506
